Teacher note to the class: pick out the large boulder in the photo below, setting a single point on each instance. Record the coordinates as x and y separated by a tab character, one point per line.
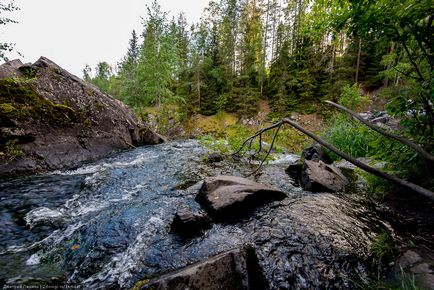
318	176
236	269
51	119
228	196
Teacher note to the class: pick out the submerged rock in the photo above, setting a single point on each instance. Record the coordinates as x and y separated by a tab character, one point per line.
51	119
236	269
187	224
228	196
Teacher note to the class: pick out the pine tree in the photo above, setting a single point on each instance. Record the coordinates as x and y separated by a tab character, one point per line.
129	86
158	59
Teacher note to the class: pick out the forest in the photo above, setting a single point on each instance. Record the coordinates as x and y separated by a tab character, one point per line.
196	148
293	55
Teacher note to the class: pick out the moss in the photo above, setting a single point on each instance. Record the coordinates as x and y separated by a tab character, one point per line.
6	108
28	71
19	101
99	106
87	122
141	283
216	124
12	151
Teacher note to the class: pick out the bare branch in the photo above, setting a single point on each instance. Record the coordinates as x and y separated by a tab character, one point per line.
404	141
414	187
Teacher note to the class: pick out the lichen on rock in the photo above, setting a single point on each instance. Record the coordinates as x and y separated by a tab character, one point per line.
59	121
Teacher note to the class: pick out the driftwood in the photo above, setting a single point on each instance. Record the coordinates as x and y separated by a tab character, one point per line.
404	141
414	187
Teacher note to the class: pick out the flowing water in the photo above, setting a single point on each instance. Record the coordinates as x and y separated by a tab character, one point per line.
107	224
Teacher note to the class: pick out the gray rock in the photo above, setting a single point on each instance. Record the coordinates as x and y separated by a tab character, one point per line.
229	196
295	170
409	258
214	157
10	69
57	121
321	177
188	224
418	267
316	152
237	269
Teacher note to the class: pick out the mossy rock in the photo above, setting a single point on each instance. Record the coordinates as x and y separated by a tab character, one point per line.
19	101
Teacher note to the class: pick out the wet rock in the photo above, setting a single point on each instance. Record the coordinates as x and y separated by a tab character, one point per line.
234	269
188	224
295	170
409	258
231	196
55	120
316	153
321	177
417	267
214	157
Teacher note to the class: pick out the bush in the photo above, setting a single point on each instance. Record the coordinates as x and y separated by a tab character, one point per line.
351	97
357	140
352	138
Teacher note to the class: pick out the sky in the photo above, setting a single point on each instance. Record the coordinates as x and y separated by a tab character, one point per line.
79	32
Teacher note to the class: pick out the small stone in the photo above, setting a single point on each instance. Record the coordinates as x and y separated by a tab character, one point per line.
421	269
424	281
316	153
214	157
187	224
409	258
294	170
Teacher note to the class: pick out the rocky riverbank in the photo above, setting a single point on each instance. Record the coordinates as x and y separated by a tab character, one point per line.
51	119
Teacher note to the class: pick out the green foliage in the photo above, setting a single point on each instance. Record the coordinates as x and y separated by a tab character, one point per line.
352	138
383	247
405	282
12	151
103	73
377	187
158	59
4	20
6	108
350	97
228	141
19	101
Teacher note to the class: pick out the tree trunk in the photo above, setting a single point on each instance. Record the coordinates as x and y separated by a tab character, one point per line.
359	52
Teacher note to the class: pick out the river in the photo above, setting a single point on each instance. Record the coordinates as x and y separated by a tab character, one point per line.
106	224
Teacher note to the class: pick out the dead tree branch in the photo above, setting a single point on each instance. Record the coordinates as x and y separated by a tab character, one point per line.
414	187
404	141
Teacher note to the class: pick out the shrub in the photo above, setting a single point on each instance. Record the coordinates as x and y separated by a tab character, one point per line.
351	97
352	138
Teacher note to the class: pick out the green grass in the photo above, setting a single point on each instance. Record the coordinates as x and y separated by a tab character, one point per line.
383	247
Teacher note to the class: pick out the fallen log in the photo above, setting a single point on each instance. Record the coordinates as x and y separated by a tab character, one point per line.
414	187
422	152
